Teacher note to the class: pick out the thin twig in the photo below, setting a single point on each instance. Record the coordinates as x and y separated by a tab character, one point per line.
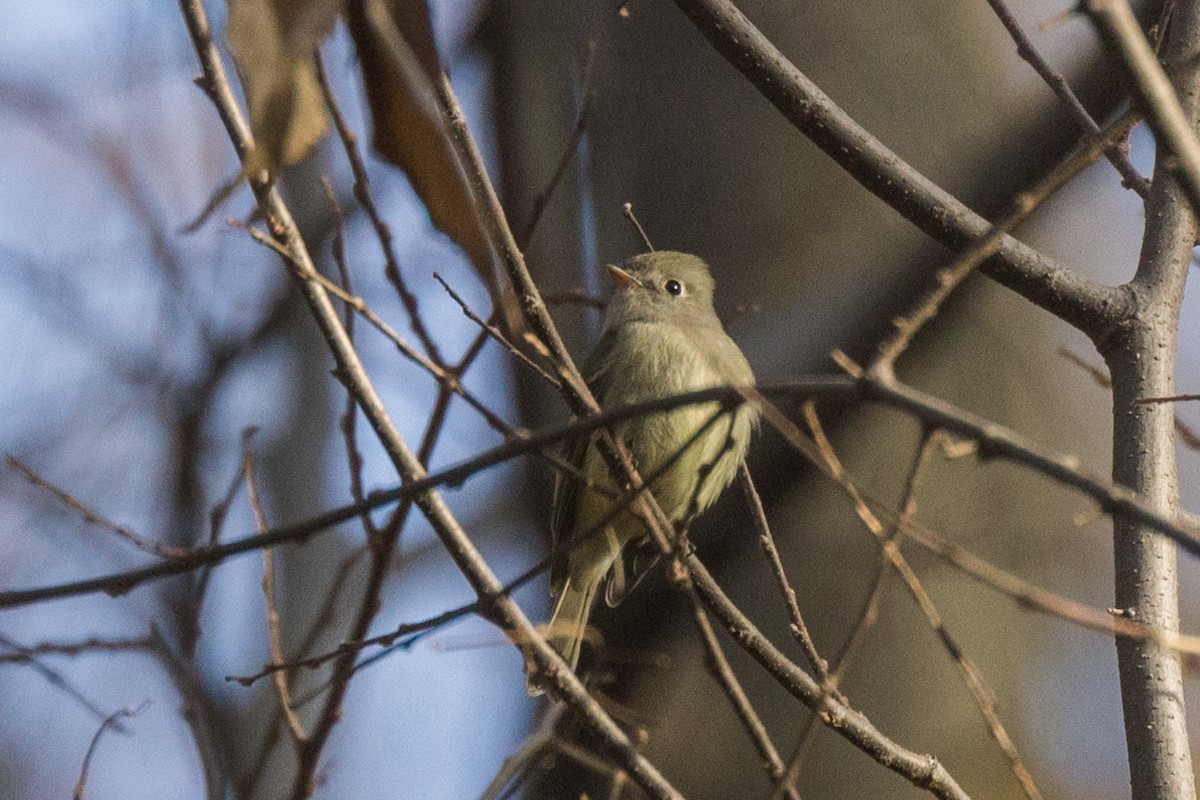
111	721
574	389
973	677
516	767
586	93
441	374
274	638
535	744
798	627
1168	119
627	209
220	511
1062	292
923	771
577	297
365	198
54	677
994	441
979	250
1189	437
349	421
95	644
498	335
247	784
410	633
92	517
1119	158
1031	597
869	612
1175	398
504	612
387	640
718	665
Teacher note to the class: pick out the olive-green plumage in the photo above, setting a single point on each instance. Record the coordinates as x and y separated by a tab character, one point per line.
661	337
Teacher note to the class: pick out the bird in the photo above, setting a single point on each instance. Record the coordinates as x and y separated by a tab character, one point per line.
661	337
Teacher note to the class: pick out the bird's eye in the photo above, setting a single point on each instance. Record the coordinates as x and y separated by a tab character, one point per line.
674	288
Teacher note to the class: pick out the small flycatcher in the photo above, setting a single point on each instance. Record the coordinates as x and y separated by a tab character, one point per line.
661	338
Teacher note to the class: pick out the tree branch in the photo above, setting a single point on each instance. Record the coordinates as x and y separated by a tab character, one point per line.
1173	126
1141	361
500	609
995	441
922	770
1080	302
1130	177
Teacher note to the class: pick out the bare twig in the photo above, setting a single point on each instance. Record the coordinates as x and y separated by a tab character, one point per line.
365	198
274	639
1119	158
1163	109
973	677
349	421
767	542
247	784
982	248
574	389
867	615
581	120
24	655
922	770
1036	598
498	335
505	613
385	640
1175	398
1060	291
52	676
1189	437
994	441
443	375
543	741
627	210
111	721
576	297
1141	360
88	515
718	665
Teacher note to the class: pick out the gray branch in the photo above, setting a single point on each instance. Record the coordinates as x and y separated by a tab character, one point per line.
1078	301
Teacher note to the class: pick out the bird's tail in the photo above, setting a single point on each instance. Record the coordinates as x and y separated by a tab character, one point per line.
568	624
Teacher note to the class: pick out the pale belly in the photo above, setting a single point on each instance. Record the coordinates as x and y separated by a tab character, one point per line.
688	455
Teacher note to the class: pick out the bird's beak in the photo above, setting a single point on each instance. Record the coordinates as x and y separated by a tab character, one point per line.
622	279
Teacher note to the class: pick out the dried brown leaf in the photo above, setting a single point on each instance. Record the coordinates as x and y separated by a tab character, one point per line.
400	69
273	42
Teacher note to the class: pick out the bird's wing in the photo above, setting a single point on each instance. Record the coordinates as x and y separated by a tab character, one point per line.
633	564
566	488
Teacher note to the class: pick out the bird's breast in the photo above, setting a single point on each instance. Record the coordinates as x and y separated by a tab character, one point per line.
653	361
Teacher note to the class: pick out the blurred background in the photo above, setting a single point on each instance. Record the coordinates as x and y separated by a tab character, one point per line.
137	354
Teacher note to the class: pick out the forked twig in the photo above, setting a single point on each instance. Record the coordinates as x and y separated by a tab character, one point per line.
972	676
1058	84
869	612
1170	122
110	722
